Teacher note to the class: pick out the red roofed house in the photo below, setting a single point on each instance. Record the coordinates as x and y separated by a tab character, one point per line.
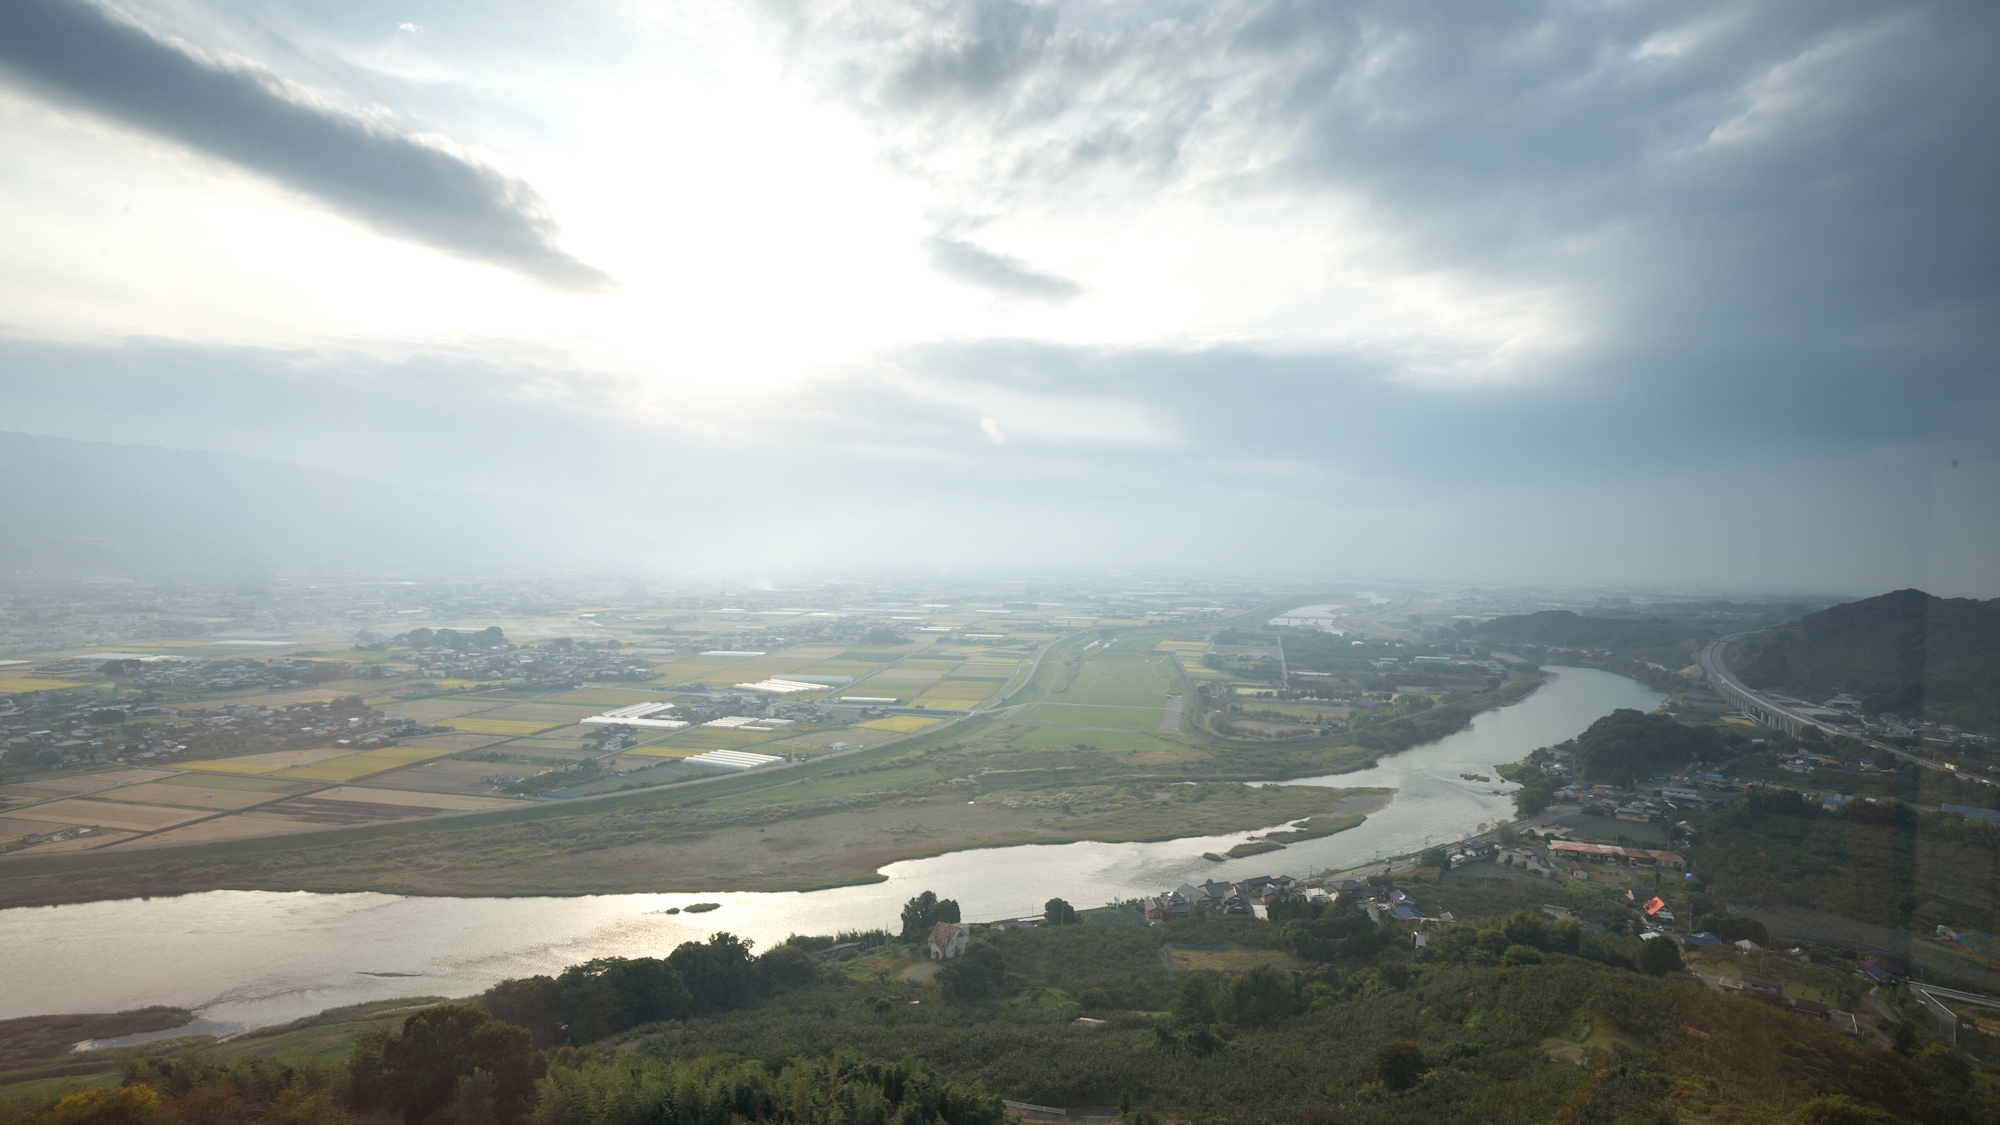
1657	910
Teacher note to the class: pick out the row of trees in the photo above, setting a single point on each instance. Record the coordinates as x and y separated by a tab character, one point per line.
603	997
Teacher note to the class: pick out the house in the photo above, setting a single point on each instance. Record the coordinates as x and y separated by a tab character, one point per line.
1401	897
1755	983
1886	965
1747	946
1154	909
947	940
1657	910
1418	940
1813	1010
1403	912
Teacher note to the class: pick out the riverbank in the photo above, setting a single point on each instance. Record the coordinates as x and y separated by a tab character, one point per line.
779	847
983	782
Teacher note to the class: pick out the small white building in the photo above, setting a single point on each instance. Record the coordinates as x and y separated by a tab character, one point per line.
947	940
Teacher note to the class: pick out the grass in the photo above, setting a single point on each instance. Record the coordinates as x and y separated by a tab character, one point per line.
1064	714
1123	677
863	781
1056	737
901	723
1316	827
35	1047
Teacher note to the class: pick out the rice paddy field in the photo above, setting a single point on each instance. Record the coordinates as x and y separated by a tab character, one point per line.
479	724
16	687
901	723
363	764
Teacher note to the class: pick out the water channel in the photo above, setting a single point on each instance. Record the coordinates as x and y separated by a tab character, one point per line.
245	959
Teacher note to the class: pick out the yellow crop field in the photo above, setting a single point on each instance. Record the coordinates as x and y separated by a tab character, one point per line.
902	724
661	751
1182	648
230	766
364	763
16	687
477	725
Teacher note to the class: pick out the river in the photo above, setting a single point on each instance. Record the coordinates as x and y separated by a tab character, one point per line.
245	959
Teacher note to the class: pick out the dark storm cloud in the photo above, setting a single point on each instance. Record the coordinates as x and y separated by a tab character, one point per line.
1000	274
1729	192
82	55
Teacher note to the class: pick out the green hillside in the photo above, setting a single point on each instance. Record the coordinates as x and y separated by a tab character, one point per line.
1560	628
1907	652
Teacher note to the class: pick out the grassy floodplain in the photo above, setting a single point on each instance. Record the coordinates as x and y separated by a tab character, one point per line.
1077	739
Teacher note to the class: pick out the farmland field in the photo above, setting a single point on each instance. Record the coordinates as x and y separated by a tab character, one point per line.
431	710
977	670
478	725
603	697
213	794
364	763
16	687
956	698
541	712
662	750
900	723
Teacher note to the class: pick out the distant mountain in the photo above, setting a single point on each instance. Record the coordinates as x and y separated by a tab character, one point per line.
1906	652
1560	628
79	507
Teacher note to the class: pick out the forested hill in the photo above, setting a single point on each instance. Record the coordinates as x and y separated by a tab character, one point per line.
1560	628
1906	652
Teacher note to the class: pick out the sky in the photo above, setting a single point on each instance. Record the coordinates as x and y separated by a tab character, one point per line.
1696	294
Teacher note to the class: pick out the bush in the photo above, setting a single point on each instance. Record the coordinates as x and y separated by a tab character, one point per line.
975	975
119	1105
1660	957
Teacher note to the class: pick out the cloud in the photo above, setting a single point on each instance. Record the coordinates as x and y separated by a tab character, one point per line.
403	185
1000	274
1322	463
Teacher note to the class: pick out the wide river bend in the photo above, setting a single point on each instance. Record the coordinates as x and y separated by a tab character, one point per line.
246	959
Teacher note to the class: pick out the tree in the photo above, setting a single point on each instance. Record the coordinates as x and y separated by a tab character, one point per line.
1434	857
1259	998
1059	913
421	1068
925	911
1400	1063
975	975
1659	957
1194	1004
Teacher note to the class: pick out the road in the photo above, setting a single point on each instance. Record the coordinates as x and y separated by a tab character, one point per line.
1774	714
1406	862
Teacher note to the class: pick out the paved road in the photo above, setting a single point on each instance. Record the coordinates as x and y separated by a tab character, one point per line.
1171	721
1407	862
1736	691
